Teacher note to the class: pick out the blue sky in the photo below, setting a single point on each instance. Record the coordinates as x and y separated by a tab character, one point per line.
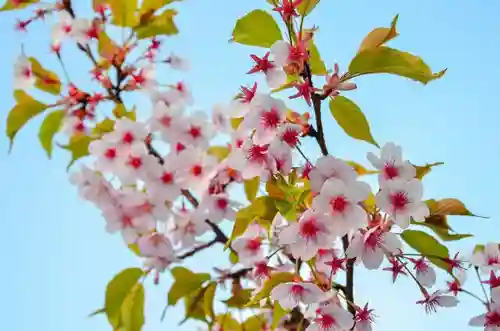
57	257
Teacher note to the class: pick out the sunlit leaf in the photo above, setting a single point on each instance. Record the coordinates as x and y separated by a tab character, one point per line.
262	207
78	146
449	206
123	12
25	109
317	65
227	322
442	230
306	7
106	46
208	300
50	126
271	283
162	24
235	122
251	188
351	119
255	323
360	169
239	299
194	306
233	257
257	28
46	80
120	111
278	314
16	4
421	171
392	61
185	283
379	36
132	310
427	246
153	5
117	291
220	152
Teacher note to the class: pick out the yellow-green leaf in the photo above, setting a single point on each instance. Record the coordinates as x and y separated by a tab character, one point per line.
220	152
233	257
360	169
421	171
351	119
317	65
186	282
132	310
50	126
117	291
194	306
257	28
78	146
106	46
379	36
450	206
25	109
290	80
255	323
162	24
153	5
306	7
135	249
208	300
239	299
46	80
16	4
392	61
235	122
123	12
442	229
227	322
251	188
105	126
427	246
278	314
271	283
120	111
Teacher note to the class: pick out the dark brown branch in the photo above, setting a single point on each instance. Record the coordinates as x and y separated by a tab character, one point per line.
198	249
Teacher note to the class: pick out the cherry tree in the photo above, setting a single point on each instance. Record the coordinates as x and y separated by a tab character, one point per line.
164	184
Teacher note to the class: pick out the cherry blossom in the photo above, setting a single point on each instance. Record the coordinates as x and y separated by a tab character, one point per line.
162	181
177	63
137	164
218	207
155	245
275	77
391	164
24	78
455	285
266	116
329	262
196	131
330	167
195	168
341	201
220	118
167	119
304	237
490	320
401	200
372	245
241	105
126	133
185	227
437	299
424	272
487	259
250	250
334	84
289	295
364	319
332	317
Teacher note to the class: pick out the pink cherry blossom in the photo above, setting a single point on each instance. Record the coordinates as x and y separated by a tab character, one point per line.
341	201
364	319
126	133
330	167
108	158
401	200
371	247
197	131
195	168
185	228
487	259
24	78
334	85
289	295
162	181
306	236
177	63
437	299
329	262
167	119
217	207
137	164
332	318
155	245
250	250
424	272
240	106
266	115
275	76
391	164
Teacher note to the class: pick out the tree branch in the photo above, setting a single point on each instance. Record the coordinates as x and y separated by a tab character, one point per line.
198	248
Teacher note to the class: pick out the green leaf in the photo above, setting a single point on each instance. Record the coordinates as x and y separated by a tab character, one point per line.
351	119
278	314
317	65
306	7
360	169
443	231
105	126
239	299
380	36
257	28
186	282
392	61
251	188
427	246
194	306
16	4
271	283
46	80
227	322
154	5
233	257
262	207
162	24
97	312
449	206
123	12
132	311
117	291
78	146
120	111
50	126
25	109
208	300
255	323
106	46
421	171
220	152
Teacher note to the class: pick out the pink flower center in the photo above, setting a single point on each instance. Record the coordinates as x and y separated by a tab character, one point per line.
66	28
197	170
253	245
166	120
339	204
26	72
135	162
297	290
110	153
399	200
270	119
309	229
257	154
327	322
291	137
492	319
167	178
390	171
126	222
222	203
128	137
374	240
493	260
195	131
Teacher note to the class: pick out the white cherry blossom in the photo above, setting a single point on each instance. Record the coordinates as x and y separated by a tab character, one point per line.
487	259
289	295
391	164
331	318
24	78
330	167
